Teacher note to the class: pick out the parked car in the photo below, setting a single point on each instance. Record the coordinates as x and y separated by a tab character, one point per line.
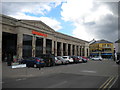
83	59
63	60
40	61
49	59
33	62
97	58
76	59
69	58
57	61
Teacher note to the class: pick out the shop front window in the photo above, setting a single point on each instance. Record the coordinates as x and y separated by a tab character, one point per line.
27	46
39	46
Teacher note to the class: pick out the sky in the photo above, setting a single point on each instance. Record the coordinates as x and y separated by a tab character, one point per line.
84	19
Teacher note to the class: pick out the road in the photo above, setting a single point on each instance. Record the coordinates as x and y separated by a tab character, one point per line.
93	74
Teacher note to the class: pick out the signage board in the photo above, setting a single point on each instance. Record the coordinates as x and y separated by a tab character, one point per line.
38	33
19	66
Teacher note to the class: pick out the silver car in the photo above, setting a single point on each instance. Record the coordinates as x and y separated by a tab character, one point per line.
68	58
97	58
63	60
57	61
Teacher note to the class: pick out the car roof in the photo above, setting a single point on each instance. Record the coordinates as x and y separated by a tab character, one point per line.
66	56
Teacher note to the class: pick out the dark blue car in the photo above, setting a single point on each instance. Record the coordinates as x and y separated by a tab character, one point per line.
33	61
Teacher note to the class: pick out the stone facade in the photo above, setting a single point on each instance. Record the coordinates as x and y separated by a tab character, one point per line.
25	27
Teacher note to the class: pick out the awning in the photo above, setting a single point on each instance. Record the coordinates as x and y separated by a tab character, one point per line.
94	54
106	54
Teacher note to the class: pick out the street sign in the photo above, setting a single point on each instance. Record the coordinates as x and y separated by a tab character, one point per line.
19	66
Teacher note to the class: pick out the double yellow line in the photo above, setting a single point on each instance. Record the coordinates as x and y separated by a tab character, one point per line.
106	83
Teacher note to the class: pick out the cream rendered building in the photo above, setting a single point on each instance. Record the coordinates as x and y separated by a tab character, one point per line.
32	38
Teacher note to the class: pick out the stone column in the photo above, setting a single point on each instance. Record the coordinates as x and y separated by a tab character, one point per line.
53	47
71	46
33	45
19	45
81	51
78	50
1	52
75	51
61	48
66	49
44	45
88	51
85	51
0	43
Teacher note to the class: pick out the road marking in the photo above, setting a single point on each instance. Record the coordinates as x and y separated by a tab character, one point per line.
58	84
20	79
104	83
114	81
108	83
88	71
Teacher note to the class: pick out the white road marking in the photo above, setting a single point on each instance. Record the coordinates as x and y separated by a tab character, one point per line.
88	71
20	79
58	84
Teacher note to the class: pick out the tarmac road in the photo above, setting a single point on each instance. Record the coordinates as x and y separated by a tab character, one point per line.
94	74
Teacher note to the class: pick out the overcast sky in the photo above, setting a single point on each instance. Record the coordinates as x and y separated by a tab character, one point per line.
84	19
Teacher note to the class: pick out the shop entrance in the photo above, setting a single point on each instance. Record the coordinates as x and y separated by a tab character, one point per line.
9	44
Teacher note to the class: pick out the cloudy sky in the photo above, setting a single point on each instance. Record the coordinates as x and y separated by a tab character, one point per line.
84	19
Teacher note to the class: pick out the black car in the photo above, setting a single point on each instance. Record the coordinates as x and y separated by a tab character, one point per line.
49	59
76	59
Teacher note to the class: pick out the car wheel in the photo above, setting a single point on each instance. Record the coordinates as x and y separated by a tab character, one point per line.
35	65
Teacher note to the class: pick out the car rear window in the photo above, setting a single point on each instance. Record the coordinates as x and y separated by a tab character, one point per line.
65	57
58	58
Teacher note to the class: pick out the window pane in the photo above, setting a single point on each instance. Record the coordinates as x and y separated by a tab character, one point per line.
39	46
27	46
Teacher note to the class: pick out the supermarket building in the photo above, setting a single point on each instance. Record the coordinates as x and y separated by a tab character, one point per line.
27	38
